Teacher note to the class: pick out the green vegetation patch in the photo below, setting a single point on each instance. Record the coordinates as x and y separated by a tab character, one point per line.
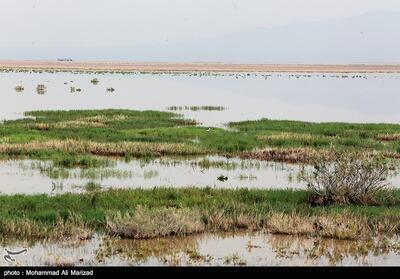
157	133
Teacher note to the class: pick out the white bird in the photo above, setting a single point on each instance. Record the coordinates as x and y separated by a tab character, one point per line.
208	130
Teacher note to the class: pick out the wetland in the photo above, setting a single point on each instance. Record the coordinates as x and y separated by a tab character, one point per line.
192	168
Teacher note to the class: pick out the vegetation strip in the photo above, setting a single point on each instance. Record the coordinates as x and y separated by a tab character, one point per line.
48	134
158	212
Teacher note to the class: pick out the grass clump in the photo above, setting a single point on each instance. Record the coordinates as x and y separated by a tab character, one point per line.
339	226
350	178
92	187
150	223
94	81
41	89
19	88
71	227
85	161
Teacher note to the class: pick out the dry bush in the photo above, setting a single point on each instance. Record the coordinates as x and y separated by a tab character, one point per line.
350	178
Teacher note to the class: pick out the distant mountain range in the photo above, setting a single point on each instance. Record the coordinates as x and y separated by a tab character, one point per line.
369	38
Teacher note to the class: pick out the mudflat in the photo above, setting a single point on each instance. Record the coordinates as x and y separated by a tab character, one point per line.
196	67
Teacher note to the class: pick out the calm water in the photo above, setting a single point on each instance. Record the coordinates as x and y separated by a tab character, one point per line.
36	177
31	177
309	97
249	249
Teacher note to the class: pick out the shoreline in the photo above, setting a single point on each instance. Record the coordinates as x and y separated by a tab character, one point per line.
92	66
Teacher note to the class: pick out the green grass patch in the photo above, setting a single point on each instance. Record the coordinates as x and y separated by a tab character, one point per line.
116	126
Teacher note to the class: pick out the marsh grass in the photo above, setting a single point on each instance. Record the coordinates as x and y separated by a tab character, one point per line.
91	173
121	149
388	137
139	213
72	227
117	132
92	187
150	223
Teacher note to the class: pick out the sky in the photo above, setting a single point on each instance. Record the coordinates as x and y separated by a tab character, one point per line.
88	23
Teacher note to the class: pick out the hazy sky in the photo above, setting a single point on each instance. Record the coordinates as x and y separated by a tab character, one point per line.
137	22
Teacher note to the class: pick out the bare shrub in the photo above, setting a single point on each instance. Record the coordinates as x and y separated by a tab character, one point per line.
350	178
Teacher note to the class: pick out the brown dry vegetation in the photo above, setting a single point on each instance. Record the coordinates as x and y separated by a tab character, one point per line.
103	149
168	222
287	155
388	137
73	228
146	223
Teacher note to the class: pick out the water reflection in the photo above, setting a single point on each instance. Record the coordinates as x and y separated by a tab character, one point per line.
213	249
34	176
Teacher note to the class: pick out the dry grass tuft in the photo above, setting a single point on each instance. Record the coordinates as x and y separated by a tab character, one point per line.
39	126
103	149
304	138
287	155
338	226
388	137
147	223
72	228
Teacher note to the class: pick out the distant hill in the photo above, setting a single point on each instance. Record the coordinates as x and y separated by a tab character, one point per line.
369	38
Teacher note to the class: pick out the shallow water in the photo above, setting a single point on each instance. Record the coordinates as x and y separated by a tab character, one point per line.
249	249
41	177
309	97
32	176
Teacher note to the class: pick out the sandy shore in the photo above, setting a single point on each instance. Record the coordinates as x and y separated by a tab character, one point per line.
193	67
